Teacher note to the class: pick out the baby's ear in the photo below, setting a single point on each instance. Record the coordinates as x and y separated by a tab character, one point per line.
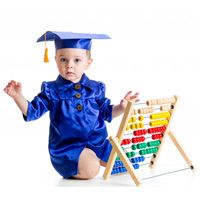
90	61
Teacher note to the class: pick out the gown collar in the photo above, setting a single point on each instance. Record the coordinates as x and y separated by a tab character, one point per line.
63	84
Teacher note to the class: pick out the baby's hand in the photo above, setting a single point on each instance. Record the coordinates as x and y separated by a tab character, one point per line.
129	97
13	88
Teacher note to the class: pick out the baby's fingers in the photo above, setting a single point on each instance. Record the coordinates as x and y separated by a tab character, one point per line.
128	95
7	89
19	85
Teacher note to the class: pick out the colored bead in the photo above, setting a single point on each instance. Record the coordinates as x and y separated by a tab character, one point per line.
153	143
141	118
133	160
128	154
117	158
130	120
141	125
138	139
157	136
142	152
158	122
132	154
132	126
136	166
137	125
125	142
134	147
141	145
134	119
142	158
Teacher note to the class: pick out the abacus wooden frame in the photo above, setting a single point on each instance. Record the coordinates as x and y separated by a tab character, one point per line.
117	150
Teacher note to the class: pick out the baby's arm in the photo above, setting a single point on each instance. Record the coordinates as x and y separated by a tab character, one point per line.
119	109
14	90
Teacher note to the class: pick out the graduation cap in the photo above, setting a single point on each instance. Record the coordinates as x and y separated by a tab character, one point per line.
69	40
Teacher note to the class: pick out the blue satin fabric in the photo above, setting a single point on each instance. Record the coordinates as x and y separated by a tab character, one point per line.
73	43
71	128
71	40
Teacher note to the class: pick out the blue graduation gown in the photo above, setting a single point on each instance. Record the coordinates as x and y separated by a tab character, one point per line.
77	120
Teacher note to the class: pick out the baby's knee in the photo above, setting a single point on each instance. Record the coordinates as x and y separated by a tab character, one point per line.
89	165
90	170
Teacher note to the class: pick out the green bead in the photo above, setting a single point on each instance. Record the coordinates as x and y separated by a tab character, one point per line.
128	154
141	145
149	144
117	158
144	145
148	151
132	154
142	152
156	150
134	147
158	142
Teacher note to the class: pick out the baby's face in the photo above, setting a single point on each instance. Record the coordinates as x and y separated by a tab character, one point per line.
72	63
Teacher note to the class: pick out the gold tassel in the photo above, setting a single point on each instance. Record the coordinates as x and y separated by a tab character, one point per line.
46	56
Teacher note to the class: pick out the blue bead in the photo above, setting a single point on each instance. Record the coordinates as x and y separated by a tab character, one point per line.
117	171
142	158
136	166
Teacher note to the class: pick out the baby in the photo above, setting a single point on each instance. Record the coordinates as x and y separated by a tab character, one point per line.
78	108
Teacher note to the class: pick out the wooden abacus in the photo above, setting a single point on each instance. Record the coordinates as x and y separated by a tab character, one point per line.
159	128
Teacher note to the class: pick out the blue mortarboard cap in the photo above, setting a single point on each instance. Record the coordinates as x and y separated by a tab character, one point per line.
71	40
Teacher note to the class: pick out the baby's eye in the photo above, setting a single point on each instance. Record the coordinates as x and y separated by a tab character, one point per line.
77	60
63	59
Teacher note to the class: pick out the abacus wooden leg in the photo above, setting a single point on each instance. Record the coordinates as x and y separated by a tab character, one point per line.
178	146
110	164
120	133
180	149
117	148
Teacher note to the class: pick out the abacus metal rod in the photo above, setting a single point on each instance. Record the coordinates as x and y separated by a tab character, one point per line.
171	172
141	103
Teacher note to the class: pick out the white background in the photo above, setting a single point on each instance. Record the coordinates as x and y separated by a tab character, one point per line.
155	49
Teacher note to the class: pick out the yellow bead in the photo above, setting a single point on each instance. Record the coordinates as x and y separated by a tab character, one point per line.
137	125
141	118
141	125
132	126
134	119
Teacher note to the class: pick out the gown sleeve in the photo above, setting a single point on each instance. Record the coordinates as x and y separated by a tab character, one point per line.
104	104
39	105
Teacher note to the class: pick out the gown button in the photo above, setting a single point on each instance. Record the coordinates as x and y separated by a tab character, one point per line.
78	95
77	86
79	107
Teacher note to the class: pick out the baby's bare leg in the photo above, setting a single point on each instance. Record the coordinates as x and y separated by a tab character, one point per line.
102	163
88	165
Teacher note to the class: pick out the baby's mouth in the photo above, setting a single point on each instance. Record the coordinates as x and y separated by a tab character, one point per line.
69	73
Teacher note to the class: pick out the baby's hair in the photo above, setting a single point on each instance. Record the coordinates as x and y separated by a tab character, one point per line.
88	53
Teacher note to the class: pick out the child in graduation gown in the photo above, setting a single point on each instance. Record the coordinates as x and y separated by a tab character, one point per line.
78	108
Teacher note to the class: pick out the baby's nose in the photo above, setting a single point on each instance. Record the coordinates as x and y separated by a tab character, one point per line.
70	64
